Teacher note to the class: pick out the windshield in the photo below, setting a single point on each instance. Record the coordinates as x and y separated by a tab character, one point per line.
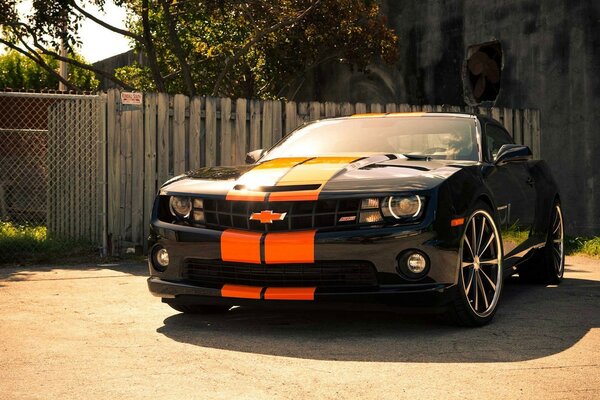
447	138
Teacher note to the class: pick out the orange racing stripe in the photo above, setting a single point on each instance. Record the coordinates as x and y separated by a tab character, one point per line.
285	293
265	174
385	115
241	291
290	247
315	171
240	246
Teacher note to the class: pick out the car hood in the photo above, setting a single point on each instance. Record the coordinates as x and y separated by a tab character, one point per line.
328	175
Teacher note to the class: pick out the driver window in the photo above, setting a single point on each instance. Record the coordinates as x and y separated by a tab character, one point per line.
495	137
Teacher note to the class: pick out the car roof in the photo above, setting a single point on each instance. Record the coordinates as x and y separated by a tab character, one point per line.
427	114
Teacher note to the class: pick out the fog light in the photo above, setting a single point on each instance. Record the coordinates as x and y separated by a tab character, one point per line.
160	258
416	263
412	264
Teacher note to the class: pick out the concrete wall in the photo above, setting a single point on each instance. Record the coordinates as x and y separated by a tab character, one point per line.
551	62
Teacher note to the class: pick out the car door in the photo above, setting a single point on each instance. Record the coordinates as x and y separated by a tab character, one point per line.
514	194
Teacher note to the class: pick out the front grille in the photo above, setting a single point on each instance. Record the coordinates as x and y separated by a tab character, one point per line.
223	214
327	274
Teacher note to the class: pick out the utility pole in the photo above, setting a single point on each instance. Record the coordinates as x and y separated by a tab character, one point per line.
63	65
63	71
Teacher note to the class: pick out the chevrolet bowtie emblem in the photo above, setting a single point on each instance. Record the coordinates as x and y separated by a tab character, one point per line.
267	217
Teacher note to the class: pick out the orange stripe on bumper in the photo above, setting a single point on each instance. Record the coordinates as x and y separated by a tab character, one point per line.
241	292
240	246
293	247
290	293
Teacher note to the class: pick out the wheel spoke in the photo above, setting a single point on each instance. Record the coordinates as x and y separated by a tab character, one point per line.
464	264
473	237
487	244
481	235
480	284
557	241
470	248
476	297
494	262
558	253
556	225
492	284
468	286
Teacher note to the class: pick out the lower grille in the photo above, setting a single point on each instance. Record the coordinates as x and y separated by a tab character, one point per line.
328	274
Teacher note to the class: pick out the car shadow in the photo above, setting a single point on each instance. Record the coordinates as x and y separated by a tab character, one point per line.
24	273
532	322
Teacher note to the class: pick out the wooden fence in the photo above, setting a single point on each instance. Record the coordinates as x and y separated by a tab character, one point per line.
168	135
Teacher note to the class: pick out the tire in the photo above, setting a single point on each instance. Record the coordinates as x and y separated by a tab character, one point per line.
548	266
480	273
200	308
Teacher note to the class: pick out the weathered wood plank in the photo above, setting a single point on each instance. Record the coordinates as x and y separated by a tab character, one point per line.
404	108
150	181
303	113
518	126
527	130
314	111
267	124
277	121
240	144
376	108
291	116
255	118
162	137
114	164
536	134
211	131
126	176
226	140
346	109
330	108
179	139
507	120
361	108
195	139
495	113
137	176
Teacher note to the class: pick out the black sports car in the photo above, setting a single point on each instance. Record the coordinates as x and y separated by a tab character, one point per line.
411	209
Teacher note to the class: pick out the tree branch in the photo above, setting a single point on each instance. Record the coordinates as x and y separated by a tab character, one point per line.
40	61
105	25
231	61
178	50
150	50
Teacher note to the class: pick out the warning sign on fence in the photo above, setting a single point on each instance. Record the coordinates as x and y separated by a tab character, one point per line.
131	98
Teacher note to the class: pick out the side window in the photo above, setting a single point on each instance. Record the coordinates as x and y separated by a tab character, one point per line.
495	137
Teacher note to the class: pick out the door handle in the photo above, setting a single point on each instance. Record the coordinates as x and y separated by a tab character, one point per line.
530	181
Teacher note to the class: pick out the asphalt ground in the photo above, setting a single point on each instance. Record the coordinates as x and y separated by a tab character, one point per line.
89	331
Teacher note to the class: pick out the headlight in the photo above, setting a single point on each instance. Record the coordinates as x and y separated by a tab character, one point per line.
402	207
180	206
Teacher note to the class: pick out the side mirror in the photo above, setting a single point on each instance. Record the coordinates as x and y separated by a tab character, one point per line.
512	152
254	156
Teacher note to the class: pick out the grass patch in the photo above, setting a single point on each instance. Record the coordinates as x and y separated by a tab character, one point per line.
23	243
589	246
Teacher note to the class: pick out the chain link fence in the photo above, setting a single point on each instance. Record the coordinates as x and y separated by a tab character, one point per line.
50	174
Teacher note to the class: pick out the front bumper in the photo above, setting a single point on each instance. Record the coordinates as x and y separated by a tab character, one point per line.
378	246
416	295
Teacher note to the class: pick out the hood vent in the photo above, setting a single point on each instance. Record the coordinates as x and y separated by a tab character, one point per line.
285	188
